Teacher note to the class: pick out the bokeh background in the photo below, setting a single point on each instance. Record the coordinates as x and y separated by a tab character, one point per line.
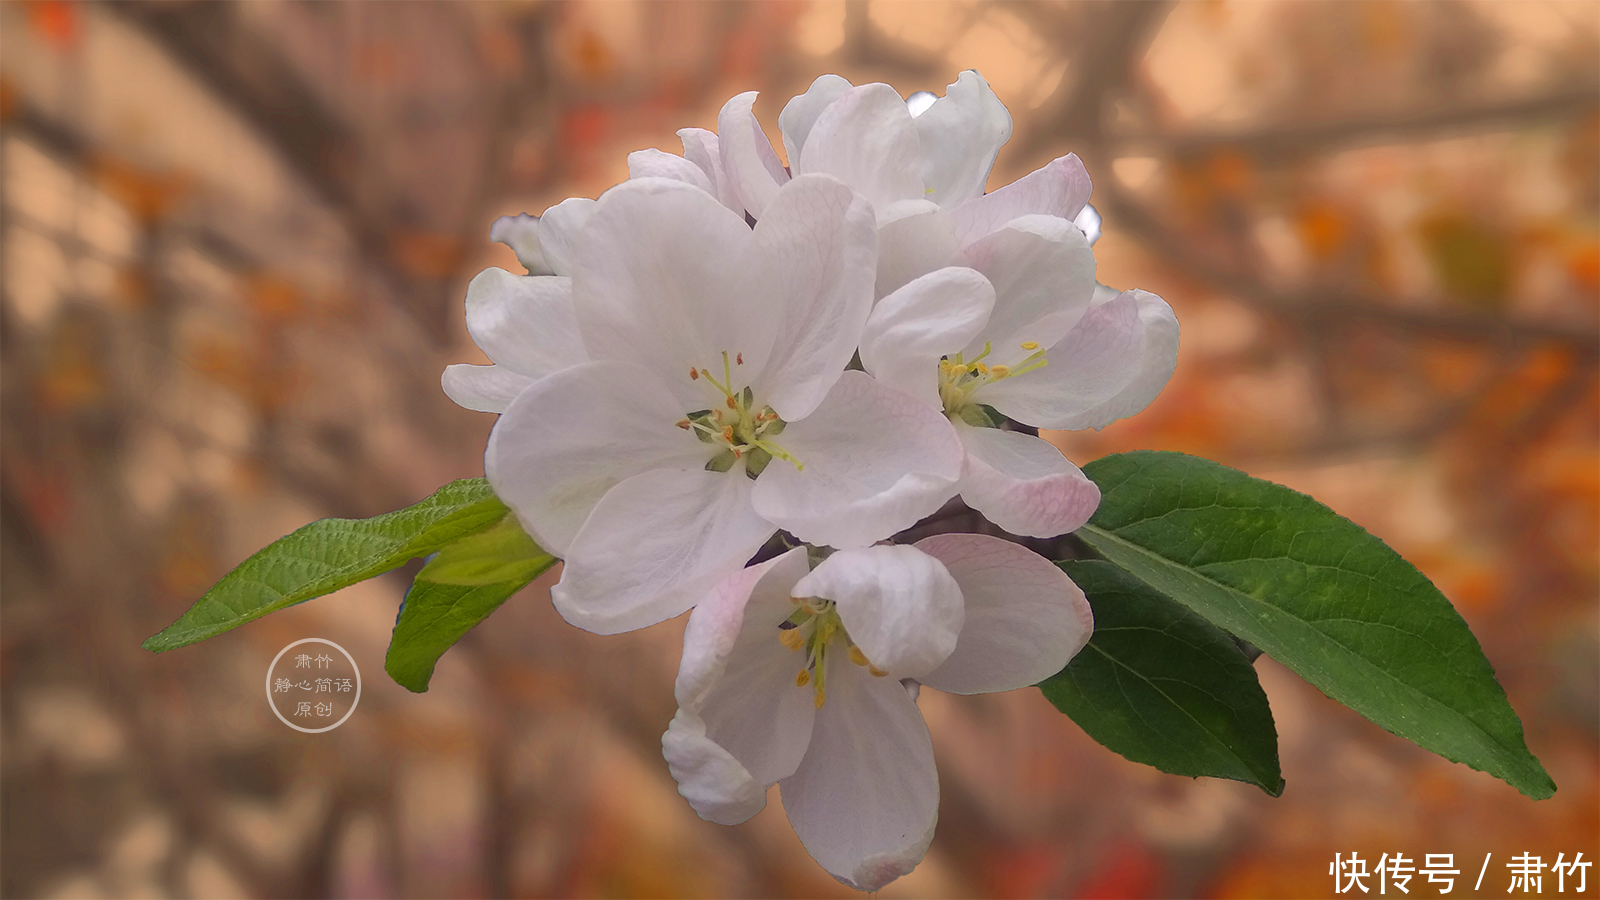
236	239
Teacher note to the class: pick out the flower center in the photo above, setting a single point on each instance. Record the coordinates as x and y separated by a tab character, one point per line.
959	378
814	628
736	425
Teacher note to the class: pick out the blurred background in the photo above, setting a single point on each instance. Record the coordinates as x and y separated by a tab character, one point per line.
236	239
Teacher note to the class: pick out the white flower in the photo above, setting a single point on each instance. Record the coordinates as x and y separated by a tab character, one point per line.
717	352
524	323
794	678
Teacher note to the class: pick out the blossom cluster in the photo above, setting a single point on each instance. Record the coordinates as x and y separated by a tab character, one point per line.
727	353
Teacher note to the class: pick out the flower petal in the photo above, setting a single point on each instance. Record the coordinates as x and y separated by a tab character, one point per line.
909	330
664	279
1058	188
1043	275
654	546
652	163
744	723
569	437
1110	366
701	148
899	605
521	233
525	323
866	797
1025	618
483	388
961	135
868	140
876	460
914	238
1023	483
819	245
802	110
558	231
747	156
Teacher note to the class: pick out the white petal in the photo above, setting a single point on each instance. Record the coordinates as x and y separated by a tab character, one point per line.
747	156
876	461
1043	275
1110	366
1058	188
655	545
1023	483
961	135
744	723
899	605
802	110
664	279
521	234
701	148
868	140
525	323
569	437
914	238
483	388
933	316
558	231
652	163
717	786
1025	618
819	244
866	798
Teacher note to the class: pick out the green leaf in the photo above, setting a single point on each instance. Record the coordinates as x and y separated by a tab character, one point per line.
456	590
1161	686
330	554
1317	593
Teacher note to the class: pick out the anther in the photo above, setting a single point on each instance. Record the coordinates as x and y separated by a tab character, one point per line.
694	374
732	403
727	433
1000	371
822	697
803	679
876	671
1030	345
739	359
857	657
791	638
685	424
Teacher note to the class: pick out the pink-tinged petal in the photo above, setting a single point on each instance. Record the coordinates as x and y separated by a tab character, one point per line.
1023	483
912	328
652	163
868	140
525	323
1043	275
818	242
961	135
558	231
915	237
701	148
1112	365
568	438
865	799
654	546
521	233
483	388
744	723
1058	188
801	112
1025	619
748	159
665	279
875	461
899	605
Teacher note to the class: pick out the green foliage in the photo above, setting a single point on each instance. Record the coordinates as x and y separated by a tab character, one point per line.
456	590
1317	593
1162	687
330	554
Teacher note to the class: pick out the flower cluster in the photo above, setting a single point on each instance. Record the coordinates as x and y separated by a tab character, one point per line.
724	349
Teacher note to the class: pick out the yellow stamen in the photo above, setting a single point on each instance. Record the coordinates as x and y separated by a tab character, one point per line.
857	657
791	638
1000	371
1030	345
822	696
732	404
803	679
876	671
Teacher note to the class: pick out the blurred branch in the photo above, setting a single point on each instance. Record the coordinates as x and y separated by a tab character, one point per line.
1298	138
